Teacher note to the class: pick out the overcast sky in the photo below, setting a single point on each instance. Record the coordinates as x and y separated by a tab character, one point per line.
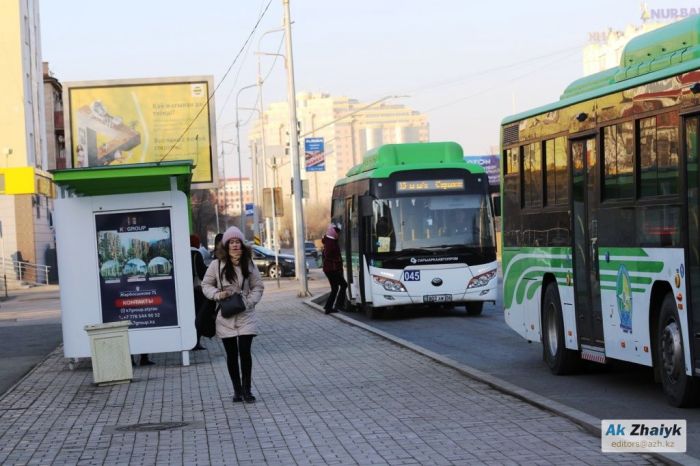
465	64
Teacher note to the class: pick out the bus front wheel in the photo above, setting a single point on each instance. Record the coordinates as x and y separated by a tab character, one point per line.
475	308
680	388
559	359
370	311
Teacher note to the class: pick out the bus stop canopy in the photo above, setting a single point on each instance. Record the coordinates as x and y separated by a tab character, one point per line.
125	179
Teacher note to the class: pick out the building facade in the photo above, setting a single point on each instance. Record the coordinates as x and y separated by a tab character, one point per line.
228	195
53	115
25	216
347	137
604	49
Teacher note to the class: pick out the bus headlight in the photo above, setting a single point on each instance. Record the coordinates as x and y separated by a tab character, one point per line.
389	284
482	280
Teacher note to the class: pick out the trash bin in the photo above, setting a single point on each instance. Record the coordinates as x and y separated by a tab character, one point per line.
111	358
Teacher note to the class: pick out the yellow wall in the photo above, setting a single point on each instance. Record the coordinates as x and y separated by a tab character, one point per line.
12	116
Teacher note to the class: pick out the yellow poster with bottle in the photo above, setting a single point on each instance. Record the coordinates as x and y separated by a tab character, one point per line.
132	123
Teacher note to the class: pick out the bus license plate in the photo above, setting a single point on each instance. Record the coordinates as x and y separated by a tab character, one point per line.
437	298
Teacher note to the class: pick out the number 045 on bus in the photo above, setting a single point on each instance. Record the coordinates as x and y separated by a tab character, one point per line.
601	215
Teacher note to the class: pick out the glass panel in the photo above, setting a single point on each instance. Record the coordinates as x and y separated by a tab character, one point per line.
512	160
618	150
625	159
550	173
610	158
647	152
432	221
658	226
532	167
667	148
562	164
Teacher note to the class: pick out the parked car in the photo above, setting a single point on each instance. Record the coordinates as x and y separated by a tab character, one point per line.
310	249
264	259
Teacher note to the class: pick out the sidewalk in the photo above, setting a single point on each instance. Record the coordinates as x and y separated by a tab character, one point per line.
328	393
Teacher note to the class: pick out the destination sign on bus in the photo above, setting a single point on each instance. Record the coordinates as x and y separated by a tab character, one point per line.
429	185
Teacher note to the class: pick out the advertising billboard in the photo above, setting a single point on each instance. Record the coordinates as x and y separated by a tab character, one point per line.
490	163
143	121
314	155
135	257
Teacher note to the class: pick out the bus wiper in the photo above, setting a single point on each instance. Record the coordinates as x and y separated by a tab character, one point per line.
449	246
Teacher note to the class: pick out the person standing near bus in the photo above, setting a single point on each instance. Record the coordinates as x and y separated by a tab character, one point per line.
198	271
233	271
333	268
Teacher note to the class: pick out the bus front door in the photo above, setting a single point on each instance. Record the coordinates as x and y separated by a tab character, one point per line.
589	319
349	242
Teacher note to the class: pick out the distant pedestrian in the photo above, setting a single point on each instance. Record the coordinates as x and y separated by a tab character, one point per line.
206	255
333	268
217	240
198	271
233	271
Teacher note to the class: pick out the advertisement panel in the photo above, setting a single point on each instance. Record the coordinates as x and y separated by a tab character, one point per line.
147	121
314	155
490	164
135	256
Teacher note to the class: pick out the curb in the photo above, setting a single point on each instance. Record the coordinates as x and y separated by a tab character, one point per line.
589	423
31	371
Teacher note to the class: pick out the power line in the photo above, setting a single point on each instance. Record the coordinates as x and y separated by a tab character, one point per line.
499	85
206	104
491	70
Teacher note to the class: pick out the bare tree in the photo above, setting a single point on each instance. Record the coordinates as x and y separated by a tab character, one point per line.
203	212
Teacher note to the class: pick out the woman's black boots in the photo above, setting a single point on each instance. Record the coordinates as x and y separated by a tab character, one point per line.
237	390
247	395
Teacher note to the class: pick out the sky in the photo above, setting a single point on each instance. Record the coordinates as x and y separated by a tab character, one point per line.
466	65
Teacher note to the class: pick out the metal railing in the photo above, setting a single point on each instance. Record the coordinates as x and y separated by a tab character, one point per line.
14	272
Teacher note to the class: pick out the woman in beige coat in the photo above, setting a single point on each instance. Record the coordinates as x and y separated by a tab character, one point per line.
233	267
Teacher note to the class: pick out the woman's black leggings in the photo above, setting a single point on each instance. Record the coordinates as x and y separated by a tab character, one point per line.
234	347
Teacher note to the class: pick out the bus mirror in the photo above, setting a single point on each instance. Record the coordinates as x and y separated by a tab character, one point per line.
496	206
366	205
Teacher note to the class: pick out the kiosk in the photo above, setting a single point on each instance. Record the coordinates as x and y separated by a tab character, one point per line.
122	238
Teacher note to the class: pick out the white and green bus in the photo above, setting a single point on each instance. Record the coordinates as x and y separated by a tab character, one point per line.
417	228
601	215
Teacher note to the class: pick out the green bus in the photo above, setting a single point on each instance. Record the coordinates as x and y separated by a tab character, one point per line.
417	228
601	215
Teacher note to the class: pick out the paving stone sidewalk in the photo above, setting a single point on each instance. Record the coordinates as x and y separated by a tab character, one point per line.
328	393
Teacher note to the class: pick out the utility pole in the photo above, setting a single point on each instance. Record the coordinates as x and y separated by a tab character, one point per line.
261	114
298	216
240	172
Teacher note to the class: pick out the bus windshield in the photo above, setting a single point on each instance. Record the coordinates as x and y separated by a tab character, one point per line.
425	222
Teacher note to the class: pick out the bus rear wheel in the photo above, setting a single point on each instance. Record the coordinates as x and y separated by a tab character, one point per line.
680	388
475	308
559	359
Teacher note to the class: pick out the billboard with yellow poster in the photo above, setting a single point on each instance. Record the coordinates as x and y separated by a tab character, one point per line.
143	121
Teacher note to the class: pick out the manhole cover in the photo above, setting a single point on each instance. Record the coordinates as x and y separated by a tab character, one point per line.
151	426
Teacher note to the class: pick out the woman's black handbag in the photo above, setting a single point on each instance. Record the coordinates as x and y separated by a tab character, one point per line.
232	305
205	321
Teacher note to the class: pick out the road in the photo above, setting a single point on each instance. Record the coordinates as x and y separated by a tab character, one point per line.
30	328
615	391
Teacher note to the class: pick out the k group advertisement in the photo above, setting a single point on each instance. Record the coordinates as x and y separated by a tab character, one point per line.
142	123
135	256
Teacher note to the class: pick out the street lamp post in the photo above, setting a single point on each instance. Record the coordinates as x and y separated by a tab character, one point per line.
240	170
255	180
269	232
